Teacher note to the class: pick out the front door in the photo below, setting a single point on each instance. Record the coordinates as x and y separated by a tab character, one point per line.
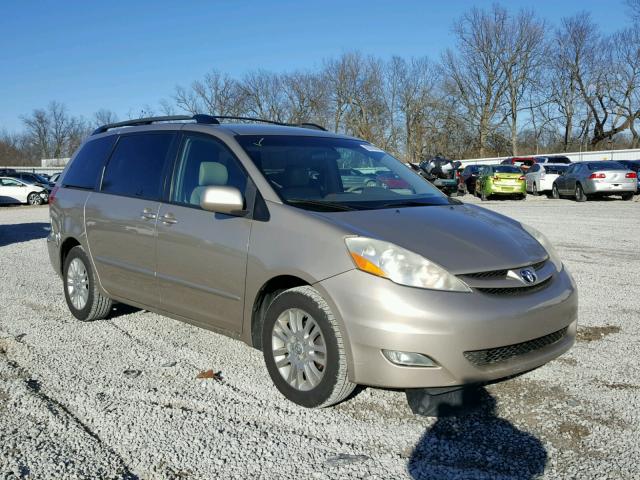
202	256
121	218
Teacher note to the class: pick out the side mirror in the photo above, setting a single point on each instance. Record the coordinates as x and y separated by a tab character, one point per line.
223	199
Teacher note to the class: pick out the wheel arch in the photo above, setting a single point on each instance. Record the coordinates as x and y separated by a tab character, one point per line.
65	248
269	290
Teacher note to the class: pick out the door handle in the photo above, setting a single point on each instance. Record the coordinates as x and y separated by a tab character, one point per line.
147	214
168	219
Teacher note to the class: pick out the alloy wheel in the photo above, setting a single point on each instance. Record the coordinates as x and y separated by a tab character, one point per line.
299	349
78	284
34	199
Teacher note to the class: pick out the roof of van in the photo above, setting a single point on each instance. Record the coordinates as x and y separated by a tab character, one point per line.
257	126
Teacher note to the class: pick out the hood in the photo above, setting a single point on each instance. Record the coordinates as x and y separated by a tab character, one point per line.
461	238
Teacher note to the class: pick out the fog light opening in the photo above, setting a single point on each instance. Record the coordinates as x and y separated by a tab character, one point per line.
408	359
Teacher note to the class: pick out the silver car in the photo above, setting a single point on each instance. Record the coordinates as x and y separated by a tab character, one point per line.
250	231
595	179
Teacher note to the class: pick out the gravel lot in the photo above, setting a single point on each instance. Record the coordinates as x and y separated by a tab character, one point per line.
119	398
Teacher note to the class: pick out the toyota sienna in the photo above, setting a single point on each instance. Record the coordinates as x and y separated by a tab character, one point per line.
248	229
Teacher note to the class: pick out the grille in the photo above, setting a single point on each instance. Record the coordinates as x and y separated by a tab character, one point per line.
501	354
524	290
501	273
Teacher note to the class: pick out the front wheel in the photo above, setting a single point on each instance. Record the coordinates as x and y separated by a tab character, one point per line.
34	199
84	299
304	350
555	194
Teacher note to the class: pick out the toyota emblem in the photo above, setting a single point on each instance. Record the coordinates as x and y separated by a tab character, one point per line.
528	276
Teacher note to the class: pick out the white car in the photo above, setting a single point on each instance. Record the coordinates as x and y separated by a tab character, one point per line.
539	178
13	190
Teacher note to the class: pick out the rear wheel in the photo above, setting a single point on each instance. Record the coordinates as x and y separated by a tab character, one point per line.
627	196
34	198
554	192
579	194
304	350
534	189
84	299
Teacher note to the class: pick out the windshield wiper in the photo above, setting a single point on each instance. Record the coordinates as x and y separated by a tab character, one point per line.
408	203
319	203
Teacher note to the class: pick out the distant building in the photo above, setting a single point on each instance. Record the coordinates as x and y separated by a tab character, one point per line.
54	162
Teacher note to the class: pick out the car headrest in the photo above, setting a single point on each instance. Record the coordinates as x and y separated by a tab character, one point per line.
213	173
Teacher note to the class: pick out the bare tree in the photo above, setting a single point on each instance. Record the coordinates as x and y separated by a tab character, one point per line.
521	58
476	77
624	84
53	132
306	97
263	95
216	94
586	55
104	117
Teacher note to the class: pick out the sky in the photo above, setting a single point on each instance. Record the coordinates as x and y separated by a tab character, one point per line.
122	55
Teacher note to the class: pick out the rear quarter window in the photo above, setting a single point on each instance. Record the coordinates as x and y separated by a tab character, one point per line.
136	167
87	165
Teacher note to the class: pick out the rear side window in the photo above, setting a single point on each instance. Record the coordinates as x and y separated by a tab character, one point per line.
557	169
86	167
137	165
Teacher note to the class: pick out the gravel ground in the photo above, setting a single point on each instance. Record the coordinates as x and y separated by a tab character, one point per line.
119	398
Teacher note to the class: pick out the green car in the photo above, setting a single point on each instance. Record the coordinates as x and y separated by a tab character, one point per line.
500	180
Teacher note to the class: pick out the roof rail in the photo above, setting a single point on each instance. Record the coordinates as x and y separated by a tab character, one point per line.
272	122
199	118
149	120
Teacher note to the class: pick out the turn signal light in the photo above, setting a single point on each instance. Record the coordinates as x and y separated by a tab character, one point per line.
521	178
597	175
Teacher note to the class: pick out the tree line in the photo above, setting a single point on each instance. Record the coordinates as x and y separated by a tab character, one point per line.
511	84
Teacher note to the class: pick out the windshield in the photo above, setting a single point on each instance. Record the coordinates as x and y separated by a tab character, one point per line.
40	178
334	174
506	169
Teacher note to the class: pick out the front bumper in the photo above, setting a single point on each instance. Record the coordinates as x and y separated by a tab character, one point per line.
378	314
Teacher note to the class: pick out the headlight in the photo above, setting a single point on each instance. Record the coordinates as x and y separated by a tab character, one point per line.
401	266
546	244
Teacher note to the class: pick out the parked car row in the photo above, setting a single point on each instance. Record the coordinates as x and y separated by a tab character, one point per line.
25	187
516	177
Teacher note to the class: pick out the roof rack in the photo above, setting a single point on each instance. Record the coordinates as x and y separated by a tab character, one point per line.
272	122
199	118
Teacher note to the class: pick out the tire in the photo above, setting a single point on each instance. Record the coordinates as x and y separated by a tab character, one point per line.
96	306
555	194
627	196
298	306
522	197
34	198
579	194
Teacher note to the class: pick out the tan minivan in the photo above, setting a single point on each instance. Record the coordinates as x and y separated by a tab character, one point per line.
336	260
